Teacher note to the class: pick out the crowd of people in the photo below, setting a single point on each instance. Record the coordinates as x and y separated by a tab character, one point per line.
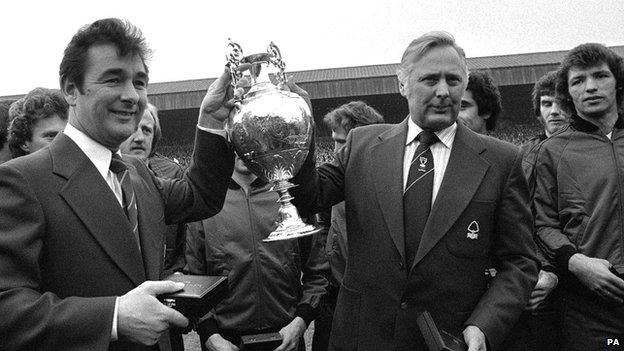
514	244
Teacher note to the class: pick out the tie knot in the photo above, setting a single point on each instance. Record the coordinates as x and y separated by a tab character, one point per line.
117	165
427	138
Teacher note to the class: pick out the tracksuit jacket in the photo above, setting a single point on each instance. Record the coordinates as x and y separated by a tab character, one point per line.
579	194
269	283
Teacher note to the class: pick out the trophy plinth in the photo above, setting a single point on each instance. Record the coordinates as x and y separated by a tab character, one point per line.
289	224
271	131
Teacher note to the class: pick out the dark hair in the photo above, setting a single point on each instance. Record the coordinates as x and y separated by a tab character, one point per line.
486	95
546	85
351	115
153	111
4	121
124	35
586	56
26	112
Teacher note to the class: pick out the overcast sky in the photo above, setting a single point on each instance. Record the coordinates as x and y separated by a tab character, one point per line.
189	37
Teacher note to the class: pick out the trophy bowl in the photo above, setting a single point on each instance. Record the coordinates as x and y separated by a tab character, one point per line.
271	131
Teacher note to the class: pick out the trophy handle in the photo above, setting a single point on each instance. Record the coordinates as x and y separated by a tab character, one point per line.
275	56
234	57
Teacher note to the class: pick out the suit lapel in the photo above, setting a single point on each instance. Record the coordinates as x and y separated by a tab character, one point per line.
388	153
91	199
150	232
464	173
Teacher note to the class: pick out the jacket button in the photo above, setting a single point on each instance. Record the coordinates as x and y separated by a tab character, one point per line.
403	305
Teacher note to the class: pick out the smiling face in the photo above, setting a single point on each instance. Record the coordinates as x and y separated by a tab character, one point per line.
113	97
434	88
593	91
552	116
140	142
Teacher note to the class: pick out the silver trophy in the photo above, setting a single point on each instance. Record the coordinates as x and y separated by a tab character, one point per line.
271	130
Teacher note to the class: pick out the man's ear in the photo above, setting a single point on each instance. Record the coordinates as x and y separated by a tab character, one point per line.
402	88
70	91
485	116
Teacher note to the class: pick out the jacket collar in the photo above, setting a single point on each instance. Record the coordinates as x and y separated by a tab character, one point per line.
587	127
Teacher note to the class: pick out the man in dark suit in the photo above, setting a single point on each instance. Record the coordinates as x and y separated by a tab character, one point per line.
82	231
423	242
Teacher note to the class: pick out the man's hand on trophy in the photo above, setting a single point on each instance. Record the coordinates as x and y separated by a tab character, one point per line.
220	99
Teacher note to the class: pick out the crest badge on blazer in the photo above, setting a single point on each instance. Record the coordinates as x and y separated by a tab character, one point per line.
473	230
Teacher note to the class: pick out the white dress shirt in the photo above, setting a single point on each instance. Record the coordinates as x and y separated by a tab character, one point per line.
441	151
100	156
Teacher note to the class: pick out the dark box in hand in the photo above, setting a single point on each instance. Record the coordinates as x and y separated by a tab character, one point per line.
438	340
260	342
200	294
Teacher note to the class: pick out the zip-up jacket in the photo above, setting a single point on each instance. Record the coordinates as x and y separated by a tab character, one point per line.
579	194
269	283
529	152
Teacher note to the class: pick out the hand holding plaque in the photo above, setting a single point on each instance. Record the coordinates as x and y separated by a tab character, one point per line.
271	130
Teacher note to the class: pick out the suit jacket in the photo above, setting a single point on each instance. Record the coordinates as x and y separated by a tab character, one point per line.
66	246
481	215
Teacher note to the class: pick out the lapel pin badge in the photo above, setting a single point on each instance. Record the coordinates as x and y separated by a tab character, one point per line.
473	230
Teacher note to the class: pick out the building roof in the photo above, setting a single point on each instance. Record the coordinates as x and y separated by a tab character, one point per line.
383	70
505	70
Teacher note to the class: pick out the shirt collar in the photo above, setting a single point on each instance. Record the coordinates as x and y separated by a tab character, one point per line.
97	153
446	135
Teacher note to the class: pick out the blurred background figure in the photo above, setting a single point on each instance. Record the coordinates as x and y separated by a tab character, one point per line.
5	153
341	120
36	119
548	110
273	286
480	104
144	141
142	144
545	301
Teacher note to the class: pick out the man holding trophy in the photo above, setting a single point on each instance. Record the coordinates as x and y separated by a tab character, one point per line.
429	205
83	228
421	235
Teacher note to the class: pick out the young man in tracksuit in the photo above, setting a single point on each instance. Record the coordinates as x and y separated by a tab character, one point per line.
579	198
273	286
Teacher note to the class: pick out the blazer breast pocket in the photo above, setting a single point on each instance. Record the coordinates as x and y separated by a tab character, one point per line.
471	235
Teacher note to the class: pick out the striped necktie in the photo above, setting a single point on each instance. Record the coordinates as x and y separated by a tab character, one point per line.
417	194
129	204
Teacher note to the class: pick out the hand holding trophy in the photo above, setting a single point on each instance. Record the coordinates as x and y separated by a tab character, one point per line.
271	130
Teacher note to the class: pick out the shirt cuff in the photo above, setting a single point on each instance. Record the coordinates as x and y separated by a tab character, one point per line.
114	335
306	312
220	132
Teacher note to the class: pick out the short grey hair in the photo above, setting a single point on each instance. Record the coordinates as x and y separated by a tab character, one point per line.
423	44
153	111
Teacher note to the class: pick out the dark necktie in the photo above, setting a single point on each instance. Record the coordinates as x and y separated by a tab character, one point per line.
129	201
417	194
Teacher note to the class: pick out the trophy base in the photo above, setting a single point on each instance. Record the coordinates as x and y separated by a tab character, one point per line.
292	231
289	224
